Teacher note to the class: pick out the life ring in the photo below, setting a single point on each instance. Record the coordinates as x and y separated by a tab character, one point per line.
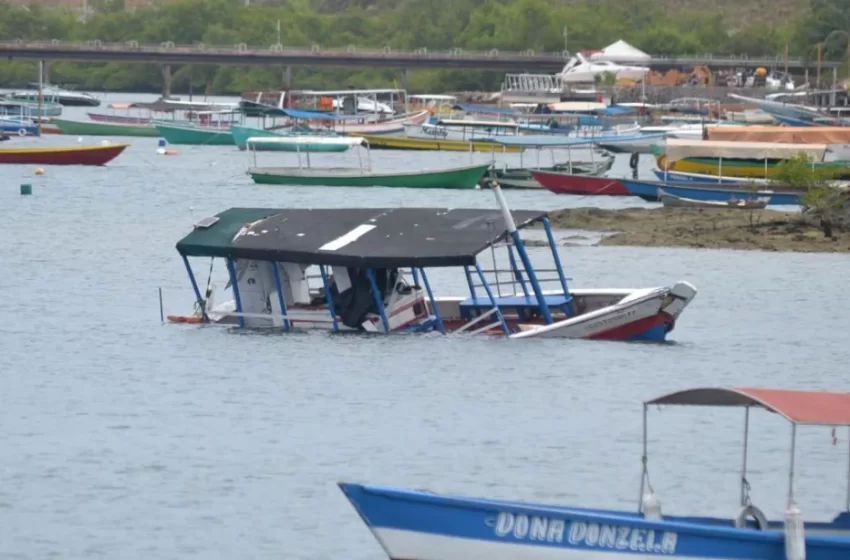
22	132
757	515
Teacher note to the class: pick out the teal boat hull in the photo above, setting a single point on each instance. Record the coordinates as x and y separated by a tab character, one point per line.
195	135
242	133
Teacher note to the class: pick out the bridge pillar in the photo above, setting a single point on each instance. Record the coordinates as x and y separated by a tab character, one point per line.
166	81
45	72
287	77
405	76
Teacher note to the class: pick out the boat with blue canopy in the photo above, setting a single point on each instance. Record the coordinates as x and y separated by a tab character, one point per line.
365	269
421	525
651	191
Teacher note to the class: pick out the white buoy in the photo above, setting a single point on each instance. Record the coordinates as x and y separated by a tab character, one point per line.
795	534
651	506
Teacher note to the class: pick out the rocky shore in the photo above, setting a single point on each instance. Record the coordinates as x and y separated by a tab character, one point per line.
764	230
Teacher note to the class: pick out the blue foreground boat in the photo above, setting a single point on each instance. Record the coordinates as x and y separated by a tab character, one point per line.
419	525
649	191
702	179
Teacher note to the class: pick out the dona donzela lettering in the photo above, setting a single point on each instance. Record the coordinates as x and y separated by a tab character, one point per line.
582	534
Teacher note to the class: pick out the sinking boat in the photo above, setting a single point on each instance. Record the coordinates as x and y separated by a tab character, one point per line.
421	525
364	269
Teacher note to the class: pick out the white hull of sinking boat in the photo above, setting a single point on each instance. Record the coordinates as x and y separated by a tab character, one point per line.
383	127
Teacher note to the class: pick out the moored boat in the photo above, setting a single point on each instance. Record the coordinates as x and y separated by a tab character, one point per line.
422	525
466	177
390	142
54	94
95	128
734	203
372	264
194	135
64	155
651	191
241	135
570	183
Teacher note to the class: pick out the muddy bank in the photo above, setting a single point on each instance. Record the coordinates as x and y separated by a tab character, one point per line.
764	230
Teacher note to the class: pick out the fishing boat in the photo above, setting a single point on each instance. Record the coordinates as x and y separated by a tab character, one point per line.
672	201
363	176
372	276
63	155
571	183
743	159
651	191
702	179
95	128
174	110
390	142
633	144
193	134
520	177
17	126
422	525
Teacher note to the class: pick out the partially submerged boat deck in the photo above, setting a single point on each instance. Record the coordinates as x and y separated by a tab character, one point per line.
372	276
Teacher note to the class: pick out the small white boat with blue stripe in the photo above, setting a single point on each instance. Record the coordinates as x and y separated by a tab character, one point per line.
419	525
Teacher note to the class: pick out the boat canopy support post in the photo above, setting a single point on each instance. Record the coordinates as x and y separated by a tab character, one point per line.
434	307
469	282
523	255
492	299
561	276
517	271
745	485
328	296
280	298
791	469
644	459
379	300
199	299
233	282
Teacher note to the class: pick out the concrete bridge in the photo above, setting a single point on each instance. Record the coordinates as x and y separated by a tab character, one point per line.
493	60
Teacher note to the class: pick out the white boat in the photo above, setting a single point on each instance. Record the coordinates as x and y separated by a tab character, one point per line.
371	266
673	201
58	95
580	70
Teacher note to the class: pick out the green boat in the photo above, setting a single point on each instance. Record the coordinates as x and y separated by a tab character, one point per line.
447	178
241	134
92	128
197	135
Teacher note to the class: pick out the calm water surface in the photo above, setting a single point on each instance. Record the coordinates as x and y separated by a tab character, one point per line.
125	438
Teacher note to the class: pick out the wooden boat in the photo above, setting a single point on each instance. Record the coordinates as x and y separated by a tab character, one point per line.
16	126
423	525
672	201
372	267
195	135
651	191
521	177
741	159
389	142
93	128
570	183
241	134
29	109
633	143
67	155
450	178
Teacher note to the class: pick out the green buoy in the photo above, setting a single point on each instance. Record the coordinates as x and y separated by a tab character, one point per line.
26	189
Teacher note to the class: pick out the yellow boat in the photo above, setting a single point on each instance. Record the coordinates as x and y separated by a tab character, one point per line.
387	142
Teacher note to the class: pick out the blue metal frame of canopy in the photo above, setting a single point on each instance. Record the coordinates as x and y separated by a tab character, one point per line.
543	301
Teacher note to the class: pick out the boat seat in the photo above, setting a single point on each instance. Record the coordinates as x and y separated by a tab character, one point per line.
520	304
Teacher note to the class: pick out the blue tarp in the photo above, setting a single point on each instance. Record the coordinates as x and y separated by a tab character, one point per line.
485	110
616	110
317	115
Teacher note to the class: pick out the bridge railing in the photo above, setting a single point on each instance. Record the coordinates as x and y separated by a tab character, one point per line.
318	51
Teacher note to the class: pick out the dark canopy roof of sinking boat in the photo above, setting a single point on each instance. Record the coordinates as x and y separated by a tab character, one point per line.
799	407
356	237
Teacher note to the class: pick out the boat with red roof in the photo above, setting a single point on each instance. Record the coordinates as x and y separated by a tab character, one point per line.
421	525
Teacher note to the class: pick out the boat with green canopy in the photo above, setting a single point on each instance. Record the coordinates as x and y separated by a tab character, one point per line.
446	178
299	126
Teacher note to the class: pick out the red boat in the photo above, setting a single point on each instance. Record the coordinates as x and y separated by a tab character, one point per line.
564	183
64	155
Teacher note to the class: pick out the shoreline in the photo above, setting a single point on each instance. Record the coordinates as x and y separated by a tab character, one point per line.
759	230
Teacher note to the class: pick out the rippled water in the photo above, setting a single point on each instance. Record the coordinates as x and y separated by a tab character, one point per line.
125	438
